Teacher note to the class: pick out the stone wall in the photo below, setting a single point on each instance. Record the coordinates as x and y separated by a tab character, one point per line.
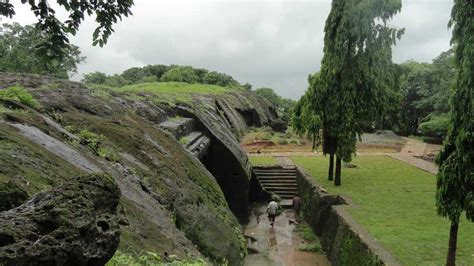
342	238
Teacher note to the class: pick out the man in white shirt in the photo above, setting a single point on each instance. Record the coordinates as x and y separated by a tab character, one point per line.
272	211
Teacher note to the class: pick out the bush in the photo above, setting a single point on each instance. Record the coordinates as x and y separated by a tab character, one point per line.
150	259
436	127
19	94
179	74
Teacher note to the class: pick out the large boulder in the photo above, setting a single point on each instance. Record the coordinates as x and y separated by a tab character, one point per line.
74	223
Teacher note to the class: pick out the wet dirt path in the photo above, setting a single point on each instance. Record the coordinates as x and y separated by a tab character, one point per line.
277	245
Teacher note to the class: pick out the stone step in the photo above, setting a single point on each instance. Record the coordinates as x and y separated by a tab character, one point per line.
287	195
193	137
265	182
278	177
286	180
199	145
275	174
178	126
282	187
281	191
263	171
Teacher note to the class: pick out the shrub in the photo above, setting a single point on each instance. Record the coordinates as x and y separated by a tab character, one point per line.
436	126
19	94
179	74
150	259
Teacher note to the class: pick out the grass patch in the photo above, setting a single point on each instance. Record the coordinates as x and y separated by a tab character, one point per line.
311	243
150	259
19	94
395	203
263	160
173	92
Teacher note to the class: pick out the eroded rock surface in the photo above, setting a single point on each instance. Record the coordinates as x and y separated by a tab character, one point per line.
173	203
74	223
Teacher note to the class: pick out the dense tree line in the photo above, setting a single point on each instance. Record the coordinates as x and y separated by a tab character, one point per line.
419	103
164	73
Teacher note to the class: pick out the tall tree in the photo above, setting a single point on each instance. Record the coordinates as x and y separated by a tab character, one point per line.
56	32
18	53
305	117
455	180
355	71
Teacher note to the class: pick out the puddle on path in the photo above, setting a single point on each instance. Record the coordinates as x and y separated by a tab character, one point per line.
277	245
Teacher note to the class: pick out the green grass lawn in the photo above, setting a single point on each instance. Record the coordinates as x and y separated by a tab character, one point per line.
395	202
173	91
262	160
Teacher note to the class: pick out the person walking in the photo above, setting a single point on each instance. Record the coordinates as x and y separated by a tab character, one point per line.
272	211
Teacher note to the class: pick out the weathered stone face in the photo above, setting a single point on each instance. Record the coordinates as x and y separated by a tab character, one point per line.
74	223
172	202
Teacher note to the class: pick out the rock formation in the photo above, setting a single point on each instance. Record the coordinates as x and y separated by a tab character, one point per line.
182	191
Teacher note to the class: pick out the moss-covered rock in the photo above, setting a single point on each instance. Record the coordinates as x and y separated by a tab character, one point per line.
74	223
12	196
170	203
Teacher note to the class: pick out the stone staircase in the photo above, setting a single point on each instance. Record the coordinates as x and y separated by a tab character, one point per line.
184	131
281	181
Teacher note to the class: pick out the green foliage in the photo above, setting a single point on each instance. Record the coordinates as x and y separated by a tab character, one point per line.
179	74
94	78
393	201
19	53
455	180
184	140
425	93
282	105
356	69
55	43
306	119
436	126
219	79
19	94
95	142
150	259
312	241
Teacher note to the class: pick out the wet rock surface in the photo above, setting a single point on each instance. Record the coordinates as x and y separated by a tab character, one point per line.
171	203
74	223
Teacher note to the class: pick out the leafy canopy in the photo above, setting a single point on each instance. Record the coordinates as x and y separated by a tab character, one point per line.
356	69
18	53
56	31
455	180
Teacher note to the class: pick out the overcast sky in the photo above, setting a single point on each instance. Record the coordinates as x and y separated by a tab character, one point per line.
265	43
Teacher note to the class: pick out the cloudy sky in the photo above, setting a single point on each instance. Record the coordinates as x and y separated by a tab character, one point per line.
265	43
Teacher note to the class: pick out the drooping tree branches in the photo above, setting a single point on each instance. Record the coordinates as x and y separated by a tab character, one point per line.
355	72
455	181
106	14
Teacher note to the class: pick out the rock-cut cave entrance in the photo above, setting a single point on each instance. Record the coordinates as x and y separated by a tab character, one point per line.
226	169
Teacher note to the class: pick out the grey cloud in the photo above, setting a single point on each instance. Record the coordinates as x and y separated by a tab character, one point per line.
266	43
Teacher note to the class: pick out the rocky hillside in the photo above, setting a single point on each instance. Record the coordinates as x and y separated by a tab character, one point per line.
171	149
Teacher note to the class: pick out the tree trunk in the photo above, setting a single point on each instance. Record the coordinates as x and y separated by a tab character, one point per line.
337	179
453	240
331	166
314	141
